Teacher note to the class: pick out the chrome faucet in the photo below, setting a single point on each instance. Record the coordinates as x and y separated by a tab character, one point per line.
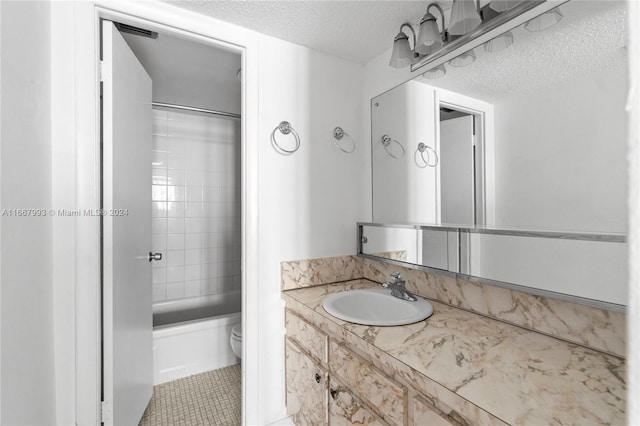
398	289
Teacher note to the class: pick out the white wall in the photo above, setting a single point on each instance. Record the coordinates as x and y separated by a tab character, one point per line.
560	151
63	235
27	375
307	206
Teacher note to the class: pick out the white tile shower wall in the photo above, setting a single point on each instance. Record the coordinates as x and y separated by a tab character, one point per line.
196	205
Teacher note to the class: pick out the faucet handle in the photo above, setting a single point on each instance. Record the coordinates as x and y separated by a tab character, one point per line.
396	279
396	276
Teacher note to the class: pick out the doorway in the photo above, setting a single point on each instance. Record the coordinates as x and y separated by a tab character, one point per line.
461	172
189	125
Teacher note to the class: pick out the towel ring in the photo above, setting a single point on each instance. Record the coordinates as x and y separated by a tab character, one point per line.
422	148
285	128
386	141
338	134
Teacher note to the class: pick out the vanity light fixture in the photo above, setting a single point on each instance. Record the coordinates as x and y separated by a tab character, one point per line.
469	27
465	17
402	55
437	72
502	5
499	43
467	58
429	37
544	21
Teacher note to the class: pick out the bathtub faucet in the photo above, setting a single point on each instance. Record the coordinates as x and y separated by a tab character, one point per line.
397	286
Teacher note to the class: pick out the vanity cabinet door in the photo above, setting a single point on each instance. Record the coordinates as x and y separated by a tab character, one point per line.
308	337
385	396
306	387
346	409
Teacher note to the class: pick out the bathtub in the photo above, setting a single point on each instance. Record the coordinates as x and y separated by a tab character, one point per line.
191	336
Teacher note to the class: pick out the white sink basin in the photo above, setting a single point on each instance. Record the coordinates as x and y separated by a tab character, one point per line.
375	307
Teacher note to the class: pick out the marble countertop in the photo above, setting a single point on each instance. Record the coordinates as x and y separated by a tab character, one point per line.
517	375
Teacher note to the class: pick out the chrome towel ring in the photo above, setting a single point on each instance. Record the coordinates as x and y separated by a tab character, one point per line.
422	148
386	142
338	134
285	128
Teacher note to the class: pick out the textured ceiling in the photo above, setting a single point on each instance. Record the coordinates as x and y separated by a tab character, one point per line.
591	36
354	30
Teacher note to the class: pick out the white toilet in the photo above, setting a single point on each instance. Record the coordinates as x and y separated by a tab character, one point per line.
236	340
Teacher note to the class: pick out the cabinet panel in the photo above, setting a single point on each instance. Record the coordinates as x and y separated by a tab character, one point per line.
426	414
306	388
346	409
382	394
309	337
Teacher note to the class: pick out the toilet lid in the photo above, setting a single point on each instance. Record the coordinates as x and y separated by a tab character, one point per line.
236	330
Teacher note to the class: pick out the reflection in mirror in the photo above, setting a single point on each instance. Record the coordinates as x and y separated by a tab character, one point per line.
433	247
451	188
399	244
589	268
550	132
457	167
547	152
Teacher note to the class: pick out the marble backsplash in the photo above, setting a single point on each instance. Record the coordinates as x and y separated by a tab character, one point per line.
325	270
585	325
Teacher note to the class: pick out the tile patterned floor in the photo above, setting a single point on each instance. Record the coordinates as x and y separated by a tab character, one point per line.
213	398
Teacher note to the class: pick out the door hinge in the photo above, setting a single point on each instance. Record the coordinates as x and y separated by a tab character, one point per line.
100	71
106	412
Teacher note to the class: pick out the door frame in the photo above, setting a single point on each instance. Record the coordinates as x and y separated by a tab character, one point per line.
478	161
83	283
484	187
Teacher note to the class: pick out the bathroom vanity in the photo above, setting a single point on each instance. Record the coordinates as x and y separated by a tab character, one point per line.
457	367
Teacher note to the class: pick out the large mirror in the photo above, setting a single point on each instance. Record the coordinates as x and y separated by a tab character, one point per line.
550	132
532	137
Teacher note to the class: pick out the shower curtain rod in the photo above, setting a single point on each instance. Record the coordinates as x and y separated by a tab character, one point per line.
187	108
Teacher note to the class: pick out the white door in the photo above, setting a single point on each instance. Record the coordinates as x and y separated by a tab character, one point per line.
457	171
127	320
